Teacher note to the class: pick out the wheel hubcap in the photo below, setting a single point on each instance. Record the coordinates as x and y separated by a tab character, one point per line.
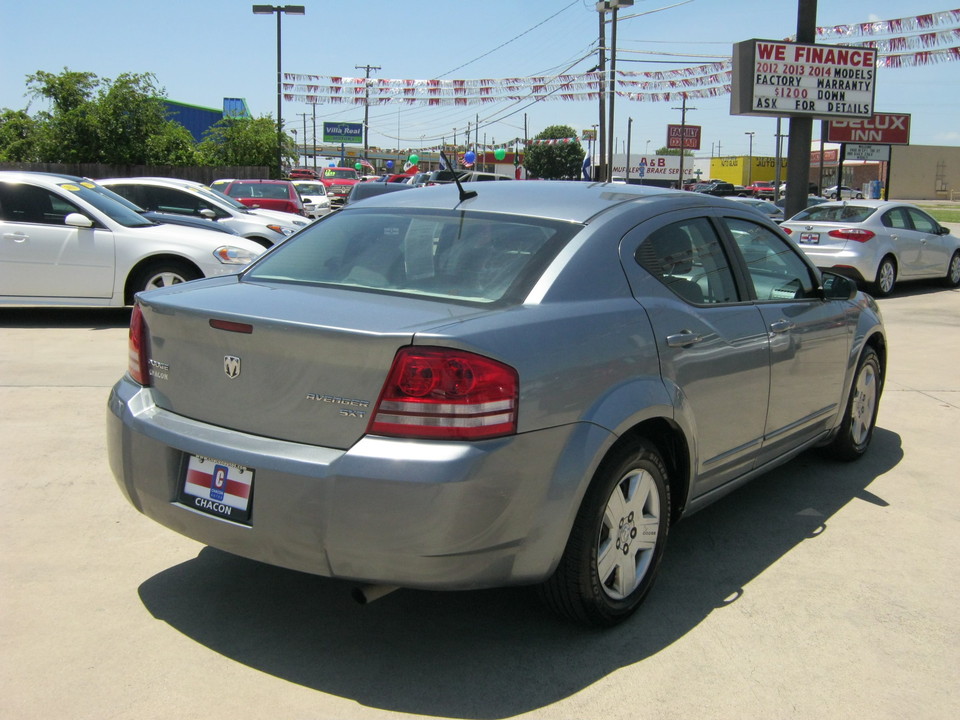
864	404
628	534
955	270
886	277
164	280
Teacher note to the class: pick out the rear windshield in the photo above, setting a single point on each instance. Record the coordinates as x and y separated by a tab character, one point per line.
473	258
835	213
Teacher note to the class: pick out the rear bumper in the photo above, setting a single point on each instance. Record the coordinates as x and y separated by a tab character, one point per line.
426	514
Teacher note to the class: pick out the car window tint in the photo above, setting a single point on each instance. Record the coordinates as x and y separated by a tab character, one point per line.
689	259
29	204
922	221
775	269
896	218
476	259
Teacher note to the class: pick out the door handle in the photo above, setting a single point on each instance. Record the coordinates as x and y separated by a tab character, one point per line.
682	339
781	326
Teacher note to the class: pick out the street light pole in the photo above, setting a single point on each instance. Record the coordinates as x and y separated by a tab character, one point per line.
278	10
751	133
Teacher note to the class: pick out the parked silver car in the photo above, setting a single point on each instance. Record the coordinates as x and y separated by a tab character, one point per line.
186	197
65	242
519	383
877	243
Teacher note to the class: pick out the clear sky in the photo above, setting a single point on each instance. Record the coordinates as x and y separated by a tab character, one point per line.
201	51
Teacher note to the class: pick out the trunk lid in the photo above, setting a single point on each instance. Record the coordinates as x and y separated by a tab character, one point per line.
304	364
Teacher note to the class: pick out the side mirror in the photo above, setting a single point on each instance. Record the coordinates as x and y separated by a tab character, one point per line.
208	213
78	220
943	230
838	287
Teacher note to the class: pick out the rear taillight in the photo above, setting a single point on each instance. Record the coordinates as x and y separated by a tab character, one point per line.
855	234
138	362
446	394
788	231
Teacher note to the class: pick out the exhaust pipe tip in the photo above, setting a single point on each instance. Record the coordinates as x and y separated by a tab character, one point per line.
366	594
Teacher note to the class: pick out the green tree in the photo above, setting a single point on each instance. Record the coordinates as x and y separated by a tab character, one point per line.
245	141
18	136
66	133
561	161
128	112
673	151
172	145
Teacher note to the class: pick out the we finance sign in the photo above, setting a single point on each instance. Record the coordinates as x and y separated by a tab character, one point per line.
773	77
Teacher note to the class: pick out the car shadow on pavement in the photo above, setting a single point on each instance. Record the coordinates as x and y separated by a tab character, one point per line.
499	653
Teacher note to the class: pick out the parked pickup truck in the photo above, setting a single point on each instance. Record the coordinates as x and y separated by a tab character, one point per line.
720	189
339	181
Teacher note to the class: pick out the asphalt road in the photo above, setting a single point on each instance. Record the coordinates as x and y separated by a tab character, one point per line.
820	591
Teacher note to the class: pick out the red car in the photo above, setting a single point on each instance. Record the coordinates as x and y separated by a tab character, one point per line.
279	195
760	189
304	174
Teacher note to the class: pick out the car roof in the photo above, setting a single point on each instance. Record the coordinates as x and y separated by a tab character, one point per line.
564	200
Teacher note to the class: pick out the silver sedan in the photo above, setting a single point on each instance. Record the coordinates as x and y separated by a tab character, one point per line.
877	243
519	383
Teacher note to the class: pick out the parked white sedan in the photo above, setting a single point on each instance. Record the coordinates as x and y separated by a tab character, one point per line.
64	243
876	243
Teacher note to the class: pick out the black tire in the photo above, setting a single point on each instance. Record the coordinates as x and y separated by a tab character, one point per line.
952	278
886	278
860	414
607	567
163	273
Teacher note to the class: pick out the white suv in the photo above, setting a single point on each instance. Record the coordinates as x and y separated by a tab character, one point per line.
186	197
64	243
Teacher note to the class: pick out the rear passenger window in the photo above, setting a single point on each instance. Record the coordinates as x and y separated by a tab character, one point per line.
688	258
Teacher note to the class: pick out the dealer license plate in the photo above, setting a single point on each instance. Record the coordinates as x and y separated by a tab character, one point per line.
810	238
217	487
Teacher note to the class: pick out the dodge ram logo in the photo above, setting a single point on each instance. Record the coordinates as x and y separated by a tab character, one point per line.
231	366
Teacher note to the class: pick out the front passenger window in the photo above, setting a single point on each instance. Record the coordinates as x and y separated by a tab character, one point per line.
774	267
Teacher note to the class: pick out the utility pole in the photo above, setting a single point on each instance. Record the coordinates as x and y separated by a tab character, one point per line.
366	106
683	132
304	116
801	128
601	170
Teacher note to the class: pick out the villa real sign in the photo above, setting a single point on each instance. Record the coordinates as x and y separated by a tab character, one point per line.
784	79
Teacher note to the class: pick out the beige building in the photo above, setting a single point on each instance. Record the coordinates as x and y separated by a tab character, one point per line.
917	172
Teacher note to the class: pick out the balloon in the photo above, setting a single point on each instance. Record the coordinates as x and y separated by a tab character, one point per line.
332	165
414	159
357	165
470	157
389	164
499	153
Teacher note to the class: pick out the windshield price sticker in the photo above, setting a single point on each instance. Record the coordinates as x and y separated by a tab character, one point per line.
808	80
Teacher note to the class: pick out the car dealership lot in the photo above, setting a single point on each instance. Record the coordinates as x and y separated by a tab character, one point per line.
822	589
